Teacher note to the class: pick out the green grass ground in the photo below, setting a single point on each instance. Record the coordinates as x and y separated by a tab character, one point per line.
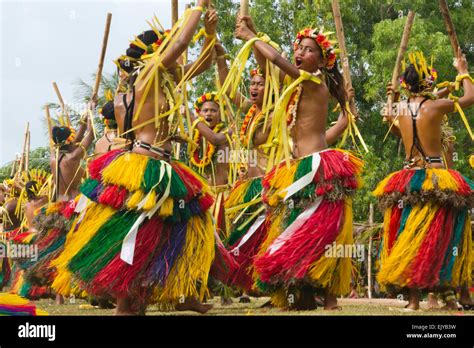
349	307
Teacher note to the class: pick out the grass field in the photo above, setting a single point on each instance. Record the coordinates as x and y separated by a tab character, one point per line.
349	307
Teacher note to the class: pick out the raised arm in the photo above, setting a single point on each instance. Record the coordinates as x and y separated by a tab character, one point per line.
239	100
214	138
205	62
83	122
243	32
259	57
81	149
185	37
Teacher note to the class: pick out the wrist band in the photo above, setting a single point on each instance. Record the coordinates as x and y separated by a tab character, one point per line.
197	8
208	36
265	38
459	79
223	56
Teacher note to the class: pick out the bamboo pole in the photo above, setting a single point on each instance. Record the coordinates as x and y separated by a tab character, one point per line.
443	6
98	76
401	53
369	261
174	12
61	102
244	7
27	154
14	166
342	46
105	40
50	129
23	152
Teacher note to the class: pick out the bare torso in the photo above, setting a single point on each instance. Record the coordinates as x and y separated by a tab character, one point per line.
70	175
149	133
309	132
105	143
428	124
10	206
258	159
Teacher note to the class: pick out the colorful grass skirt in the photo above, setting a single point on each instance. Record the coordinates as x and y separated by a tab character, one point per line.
309	208
147	233
249	227
427	237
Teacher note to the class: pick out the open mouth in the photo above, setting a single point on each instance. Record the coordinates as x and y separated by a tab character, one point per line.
254	95
208	119
298	62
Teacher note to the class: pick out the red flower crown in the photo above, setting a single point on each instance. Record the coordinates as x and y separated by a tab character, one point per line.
322	40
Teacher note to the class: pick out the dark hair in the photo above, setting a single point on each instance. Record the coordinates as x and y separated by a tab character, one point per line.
336	84
60	134
411	77
108	111
30	187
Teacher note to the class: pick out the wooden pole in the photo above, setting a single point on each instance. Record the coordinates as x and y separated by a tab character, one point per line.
27	155
23	153
14	166
174	12
244	7
61	102
443	6
50	129
342	46
105	40
369	263
401	53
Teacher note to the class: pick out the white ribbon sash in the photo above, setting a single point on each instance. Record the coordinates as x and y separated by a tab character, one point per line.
256	224
306	179
81	204
128	245
300	221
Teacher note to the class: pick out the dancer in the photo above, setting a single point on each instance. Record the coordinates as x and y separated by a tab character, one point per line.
106	143
427	231
148	235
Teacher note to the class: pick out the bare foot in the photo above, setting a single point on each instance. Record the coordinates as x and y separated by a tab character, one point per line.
124	307
59	299
451	305
433	301
194	305
306	301
226	301
244	299
330	303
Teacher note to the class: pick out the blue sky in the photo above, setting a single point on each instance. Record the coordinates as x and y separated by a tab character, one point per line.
45	41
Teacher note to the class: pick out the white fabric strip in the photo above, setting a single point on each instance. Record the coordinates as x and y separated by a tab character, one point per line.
81	204
256	224
300	221
306	179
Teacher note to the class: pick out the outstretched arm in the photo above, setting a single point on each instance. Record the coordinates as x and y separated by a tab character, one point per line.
204	61
185	37
81	149
259	57
243	32
239	100
83	122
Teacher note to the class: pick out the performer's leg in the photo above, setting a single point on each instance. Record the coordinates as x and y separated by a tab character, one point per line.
192	304
413	299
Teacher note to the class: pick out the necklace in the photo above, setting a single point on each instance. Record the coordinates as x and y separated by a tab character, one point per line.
208	152
292	110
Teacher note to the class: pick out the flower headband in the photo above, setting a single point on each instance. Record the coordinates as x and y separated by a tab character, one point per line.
256	72
212	96
427	75
322	40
